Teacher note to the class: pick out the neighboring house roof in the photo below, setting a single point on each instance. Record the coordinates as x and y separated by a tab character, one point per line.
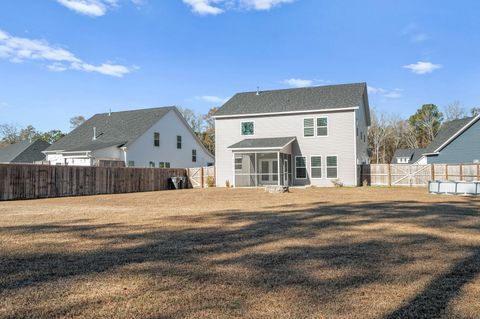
342	96
448	132
413	154
112	129
115	129
263	143
23	152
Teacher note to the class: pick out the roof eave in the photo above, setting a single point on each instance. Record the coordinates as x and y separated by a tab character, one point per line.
288	112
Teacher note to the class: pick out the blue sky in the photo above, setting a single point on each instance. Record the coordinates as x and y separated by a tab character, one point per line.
61	58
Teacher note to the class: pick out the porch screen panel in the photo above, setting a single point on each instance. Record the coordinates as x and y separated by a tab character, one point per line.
244	170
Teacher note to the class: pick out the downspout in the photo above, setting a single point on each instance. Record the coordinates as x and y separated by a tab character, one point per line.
124	149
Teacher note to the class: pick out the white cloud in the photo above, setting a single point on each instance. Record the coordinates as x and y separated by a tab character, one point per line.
211	99
204	7
214	7
263	4
422	67
18	50
391	94
93	8
298	82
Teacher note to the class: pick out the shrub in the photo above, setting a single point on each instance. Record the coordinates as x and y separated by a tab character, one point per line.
210	181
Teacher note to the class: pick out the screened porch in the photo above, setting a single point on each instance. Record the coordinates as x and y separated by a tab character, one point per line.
262	162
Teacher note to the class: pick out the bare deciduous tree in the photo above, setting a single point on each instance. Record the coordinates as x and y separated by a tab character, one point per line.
454	111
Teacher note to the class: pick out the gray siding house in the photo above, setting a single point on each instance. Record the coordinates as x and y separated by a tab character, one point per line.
297	137
457	141
26	151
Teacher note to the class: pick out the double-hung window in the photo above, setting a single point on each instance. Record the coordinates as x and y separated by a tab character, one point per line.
316	166
315	126
131	163
151	164
322	126
248	128
309	127
332	167
156	139
194	155
179	141
164	164
300	167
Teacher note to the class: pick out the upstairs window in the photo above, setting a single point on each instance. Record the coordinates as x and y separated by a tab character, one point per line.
248	128
194	155
179	142
332	170
322	126
156	139
308	127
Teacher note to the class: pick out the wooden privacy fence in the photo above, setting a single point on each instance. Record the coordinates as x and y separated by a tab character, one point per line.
199	176
417	175
25	181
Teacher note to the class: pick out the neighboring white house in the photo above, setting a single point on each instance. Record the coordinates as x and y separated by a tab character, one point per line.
156	137
409	156
305	136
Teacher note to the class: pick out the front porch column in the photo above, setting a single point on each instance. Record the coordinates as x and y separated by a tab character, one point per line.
278	167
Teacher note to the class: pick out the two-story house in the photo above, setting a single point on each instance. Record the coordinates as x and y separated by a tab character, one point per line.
156	137
304	136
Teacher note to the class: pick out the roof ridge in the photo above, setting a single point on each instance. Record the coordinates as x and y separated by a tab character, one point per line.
138	110
306	87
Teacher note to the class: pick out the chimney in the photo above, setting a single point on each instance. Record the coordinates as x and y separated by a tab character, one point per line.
94	133
258	90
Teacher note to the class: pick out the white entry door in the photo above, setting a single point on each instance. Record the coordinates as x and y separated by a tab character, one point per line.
269	170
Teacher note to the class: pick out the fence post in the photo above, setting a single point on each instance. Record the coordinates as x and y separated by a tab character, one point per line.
446	172
433	172
389	175
201	178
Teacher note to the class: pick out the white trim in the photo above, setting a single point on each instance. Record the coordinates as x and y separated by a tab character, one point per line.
252	121
287	112
454	136
326	167
306	167
321	167
262	148
303	125
355	150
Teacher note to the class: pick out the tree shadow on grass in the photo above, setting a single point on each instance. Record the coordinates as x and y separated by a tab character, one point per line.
288	249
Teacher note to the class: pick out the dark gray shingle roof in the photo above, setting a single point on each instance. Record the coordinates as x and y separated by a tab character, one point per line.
273	142
23	152
447	130
413	154
301	99
117	129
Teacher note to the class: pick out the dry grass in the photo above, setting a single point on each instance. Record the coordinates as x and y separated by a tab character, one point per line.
333	253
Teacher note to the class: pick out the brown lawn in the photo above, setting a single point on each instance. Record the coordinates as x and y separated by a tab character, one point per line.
217	253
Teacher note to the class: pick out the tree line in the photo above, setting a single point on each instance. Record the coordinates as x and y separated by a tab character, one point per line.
389	132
